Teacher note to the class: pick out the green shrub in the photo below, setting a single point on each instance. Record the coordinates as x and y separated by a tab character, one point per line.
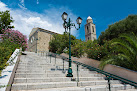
6	50
98	51
60	44
124	52
5	54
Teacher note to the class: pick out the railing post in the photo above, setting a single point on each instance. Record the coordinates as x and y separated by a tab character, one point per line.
43	53
63	65
124	86
109	87
87	87
50	58
55	58
77	74
46	54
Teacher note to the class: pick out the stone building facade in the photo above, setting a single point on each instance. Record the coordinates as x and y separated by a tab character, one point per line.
90	30
39	39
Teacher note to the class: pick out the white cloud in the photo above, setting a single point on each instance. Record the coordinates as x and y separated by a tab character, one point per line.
21	4
51	20
3	6
37	1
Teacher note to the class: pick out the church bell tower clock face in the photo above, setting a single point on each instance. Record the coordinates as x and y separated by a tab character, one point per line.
90	30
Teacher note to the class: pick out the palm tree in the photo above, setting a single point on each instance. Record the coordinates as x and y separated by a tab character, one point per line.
124	52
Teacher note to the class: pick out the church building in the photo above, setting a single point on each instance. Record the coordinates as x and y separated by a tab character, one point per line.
90	30
39	38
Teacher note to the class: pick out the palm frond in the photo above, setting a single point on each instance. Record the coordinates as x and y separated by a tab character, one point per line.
124	52
124	44
132	39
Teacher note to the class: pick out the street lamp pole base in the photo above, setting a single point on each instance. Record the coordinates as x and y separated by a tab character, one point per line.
69	73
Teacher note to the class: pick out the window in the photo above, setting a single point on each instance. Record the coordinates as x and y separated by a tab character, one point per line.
31	40
87	27
88	38
87	30
93	28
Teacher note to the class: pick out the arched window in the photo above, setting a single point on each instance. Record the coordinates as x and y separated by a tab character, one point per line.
93	28
87	29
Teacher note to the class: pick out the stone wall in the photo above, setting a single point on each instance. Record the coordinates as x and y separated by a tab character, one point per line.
116	70
39	39
32	42
43	41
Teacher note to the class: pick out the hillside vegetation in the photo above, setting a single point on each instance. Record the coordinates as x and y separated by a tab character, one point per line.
10	39
117	45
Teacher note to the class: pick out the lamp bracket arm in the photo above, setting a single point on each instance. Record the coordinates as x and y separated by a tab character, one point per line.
72	24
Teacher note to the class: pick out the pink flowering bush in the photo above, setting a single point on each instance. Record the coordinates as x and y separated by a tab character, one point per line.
15	37
98	51
11	39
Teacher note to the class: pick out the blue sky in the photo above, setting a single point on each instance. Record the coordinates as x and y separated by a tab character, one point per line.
47	13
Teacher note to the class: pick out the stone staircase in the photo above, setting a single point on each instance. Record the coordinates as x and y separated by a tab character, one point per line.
36	73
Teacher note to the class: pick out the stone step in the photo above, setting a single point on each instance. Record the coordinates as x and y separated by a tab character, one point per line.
31	86
54	79
53	68
114	87
51	71
45	63
129	90
34	71
50	66
33	65
37	75
31	69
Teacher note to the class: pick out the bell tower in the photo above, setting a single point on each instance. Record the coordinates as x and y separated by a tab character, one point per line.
90	30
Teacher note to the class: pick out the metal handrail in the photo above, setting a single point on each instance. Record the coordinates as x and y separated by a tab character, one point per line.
107	74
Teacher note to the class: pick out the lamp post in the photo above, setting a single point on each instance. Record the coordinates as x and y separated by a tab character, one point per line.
36	41
36	45
67	25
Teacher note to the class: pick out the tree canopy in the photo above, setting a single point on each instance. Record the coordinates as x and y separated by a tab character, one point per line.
124	52
60	44
5	20
127	25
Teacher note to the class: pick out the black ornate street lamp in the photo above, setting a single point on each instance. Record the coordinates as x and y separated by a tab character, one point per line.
67	25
